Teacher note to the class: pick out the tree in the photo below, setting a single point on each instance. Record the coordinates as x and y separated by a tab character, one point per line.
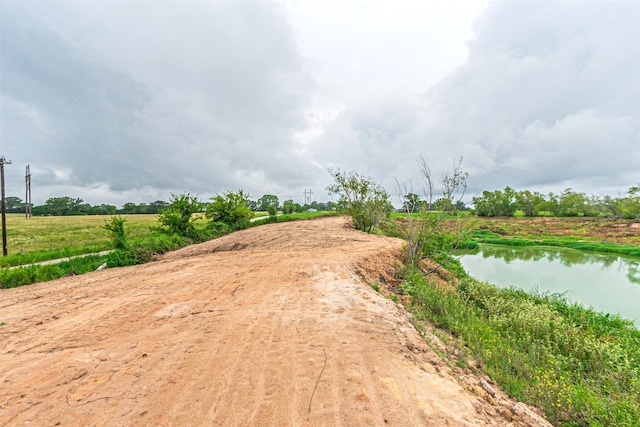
364	200
621	207
526	201
61	205
267	200
427	235
178	217
573	204
609	207
129	208
14	204
272	209
288	207
411	203
630	205
107	209
459	206
443	204
229	211
496	203
157	206
548	205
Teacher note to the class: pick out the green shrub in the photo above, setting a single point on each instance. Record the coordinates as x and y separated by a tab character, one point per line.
178	218
365	201
118	233
48	272
229	212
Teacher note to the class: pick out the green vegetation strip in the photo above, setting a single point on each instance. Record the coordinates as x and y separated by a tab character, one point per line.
582	368
12	278
484	236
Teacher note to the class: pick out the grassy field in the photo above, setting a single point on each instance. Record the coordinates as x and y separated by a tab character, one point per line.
621	232
49	237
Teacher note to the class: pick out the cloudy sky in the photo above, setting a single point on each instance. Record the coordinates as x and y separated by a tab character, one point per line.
118	101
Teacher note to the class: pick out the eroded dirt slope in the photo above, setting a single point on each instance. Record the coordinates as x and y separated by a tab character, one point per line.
269	327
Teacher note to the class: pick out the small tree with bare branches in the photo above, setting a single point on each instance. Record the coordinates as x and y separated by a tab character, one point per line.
425	230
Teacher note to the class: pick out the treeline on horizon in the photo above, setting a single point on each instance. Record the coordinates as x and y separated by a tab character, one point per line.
509	202
497	203
69	206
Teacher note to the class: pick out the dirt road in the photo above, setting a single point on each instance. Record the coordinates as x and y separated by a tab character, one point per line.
271	326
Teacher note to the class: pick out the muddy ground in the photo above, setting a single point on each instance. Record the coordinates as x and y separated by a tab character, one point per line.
270	326
619	231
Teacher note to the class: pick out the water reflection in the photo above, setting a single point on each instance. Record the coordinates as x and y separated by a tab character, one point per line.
606	282
567	257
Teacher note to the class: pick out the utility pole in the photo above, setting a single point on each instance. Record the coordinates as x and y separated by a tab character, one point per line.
27	203
4	206
307	197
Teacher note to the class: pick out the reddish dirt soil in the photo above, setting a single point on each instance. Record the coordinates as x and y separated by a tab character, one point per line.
619	231
270	326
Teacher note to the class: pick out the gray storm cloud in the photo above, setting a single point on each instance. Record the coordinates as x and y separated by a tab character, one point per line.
550	95
198	96
128	101
548	98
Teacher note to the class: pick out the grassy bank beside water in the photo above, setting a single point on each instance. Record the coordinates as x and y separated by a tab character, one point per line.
580	367
484	236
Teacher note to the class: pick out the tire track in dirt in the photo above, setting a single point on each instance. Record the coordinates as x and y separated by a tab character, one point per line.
270	326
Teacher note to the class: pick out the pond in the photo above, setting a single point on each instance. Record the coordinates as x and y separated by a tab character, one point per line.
607	282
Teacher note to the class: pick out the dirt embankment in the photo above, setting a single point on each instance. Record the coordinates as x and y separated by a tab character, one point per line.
270	326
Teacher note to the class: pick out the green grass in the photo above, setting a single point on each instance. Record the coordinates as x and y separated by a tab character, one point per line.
44	238
484	236
582	368
20	276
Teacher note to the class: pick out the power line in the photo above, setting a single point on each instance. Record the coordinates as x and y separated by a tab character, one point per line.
307	196
73	170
